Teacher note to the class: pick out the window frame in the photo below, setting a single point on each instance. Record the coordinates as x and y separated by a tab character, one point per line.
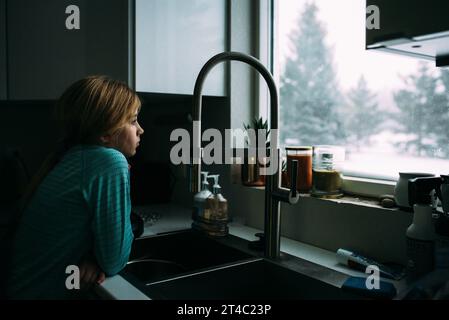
268	49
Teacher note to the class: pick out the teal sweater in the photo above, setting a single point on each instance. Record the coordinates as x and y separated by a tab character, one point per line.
83	205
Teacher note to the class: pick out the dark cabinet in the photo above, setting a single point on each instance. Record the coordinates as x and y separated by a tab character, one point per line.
3	67
413	28
44	56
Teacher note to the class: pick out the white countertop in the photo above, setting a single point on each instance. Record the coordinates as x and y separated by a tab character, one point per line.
173	218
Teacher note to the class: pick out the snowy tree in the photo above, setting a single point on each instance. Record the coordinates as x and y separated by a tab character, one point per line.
440	116
309	95
417	117
363	115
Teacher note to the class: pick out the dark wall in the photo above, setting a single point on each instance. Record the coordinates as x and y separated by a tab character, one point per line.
2	49
44	57
160	115
30	127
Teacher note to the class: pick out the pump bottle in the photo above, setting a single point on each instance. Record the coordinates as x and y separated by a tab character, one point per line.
199	200
214	219
219	205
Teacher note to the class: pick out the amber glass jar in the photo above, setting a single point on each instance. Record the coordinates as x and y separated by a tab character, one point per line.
304	175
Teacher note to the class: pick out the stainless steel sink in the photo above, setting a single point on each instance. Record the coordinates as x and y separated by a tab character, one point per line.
260	279
161	257
149	270
188	265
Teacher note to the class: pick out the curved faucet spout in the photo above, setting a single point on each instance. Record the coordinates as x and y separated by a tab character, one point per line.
195	177
273	193
236	56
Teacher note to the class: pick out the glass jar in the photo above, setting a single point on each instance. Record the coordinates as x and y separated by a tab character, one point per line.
304	176
327	168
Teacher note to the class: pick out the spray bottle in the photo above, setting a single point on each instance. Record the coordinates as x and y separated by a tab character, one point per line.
442	226
421	233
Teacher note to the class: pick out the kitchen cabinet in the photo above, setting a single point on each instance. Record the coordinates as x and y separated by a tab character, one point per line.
45	57
2	50
174	39
414	28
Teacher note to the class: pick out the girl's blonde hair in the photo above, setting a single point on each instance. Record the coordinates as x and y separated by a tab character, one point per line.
88	109
95	106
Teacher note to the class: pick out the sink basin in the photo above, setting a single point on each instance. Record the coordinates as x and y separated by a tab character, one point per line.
149	270
260	279
161	257
188	265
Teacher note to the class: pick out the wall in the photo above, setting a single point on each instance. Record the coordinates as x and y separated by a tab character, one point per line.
241	84
30	127
376	232
3	49
44	57
160	115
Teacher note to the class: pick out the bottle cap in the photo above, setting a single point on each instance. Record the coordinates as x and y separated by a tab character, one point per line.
216	188
420	190
204	182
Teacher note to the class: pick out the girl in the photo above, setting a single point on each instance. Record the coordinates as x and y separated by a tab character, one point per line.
77	211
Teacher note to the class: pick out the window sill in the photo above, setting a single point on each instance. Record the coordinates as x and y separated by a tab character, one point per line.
352	195
367	187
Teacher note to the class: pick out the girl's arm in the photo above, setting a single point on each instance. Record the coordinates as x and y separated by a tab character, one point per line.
111	205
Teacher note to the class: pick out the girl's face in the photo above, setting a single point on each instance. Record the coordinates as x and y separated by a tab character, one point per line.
127	140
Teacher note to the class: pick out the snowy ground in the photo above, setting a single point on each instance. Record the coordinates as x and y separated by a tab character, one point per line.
383	161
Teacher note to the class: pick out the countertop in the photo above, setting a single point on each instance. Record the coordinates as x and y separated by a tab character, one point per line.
170	217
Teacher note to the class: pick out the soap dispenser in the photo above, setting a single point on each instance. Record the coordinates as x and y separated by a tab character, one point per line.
218	203
421	233
199	200
214	218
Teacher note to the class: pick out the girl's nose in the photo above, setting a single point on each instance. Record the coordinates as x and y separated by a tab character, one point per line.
140	130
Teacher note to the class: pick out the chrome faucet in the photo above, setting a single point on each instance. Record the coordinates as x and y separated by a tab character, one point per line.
274	194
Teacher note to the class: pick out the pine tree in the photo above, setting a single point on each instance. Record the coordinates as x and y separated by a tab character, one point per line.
363	115
440	116
308	93
415	119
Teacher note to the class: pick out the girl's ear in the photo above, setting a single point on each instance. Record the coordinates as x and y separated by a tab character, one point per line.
106	139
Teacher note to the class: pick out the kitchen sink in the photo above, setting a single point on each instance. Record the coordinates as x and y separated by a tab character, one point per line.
148	270
159	257
188	265
258	279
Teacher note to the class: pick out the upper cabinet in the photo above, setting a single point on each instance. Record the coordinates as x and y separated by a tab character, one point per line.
3	67
174	39
414	28
52	43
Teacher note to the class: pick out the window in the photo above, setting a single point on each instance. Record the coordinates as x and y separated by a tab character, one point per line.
174	39
390	112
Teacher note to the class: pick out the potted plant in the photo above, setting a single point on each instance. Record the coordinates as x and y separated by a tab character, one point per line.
285	179
251	169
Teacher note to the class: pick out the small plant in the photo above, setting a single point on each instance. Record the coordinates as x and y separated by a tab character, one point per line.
256	125
284	165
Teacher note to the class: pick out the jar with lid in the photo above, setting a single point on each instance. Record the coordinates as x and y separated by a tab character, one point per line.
304	176
327	171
